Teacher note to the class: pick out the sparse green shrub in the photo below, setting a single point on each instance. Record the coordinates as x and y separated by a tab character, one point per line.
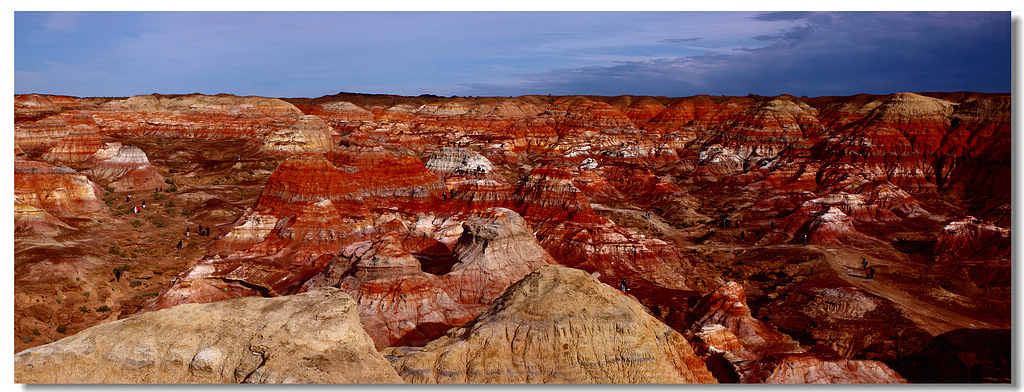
115	250
103	308
158	196
170	204
135	283
26	339
170	210
108	189
84	309
58	301
86	294
136	223
146	295
169	181
35	331
62	328
172	188
159	224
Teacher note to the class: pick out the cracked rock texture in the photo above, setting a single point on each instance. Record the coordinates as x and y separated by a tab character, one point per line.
557	325
314	337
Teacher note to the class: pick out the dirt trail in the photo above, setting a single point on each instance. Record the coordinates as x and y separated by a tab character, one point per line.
931	316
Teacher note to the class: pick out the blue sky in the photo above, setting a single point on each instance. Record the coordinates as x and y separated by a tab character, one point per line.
310	54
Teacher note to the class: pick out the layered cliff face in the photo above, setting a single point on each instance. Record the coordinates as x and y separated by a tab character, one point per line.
313	337
557	325
59	190
273	125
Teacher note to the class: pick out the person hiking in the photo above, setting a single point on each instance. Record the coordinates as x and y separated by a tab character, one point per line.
805	239
187	230
871	273
864	263
742	235
143	204
179	244
128	199
773	225
622	285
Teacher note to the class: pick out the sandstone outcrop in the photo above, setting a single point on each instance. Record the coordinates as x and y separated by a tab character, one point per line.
557	325
970	239
740	348
313	337
59	190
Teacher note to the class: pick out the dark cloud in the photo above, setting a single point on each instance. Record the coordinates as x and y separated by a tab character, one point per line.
841	53
679	40
781	15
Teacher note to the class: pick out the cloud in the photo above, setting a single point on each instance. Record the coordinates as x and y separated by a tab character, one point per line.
679	40
781	15
836	53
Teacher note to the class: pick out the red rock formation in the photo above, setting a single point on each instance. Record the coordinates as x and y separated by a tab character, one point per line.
58	190
39	136
819	366
74	148
35	105
272	125
740	348
727	306
972	239
340	112
639	110
400	304
124	168
675	119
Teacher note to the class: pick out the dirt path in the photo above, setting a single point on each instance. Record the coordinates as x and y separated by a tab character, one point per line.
930	315
887	283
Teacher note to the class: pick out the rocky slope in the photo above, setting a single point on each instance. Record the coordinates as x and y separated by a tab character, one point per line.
308	338
558	325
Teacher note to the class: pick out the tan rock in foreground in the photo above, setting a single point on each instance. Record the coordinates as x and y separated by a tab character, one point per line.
557	325
314	337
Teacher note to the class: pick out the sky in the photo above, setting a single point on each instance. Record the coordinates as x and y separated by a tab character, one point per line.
311	54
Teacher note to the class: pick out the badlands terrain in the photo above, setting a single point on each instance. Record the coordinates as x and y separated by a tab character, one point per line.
534	239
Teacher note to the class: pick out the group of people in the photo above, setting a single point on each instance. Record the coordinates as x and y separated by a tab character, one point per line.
869	272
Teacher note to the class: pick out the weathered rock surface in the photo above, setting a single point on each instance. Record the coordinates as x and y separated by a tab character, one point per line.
401	304
313	337
557	325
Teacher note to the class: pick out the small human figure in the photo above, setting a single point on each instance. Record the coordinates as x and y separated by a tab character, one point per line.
179	244
864	263
805	239
128	199
207	231
622	285
135	209
143	204
871	273
117	274
187	230
773	225
742	235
